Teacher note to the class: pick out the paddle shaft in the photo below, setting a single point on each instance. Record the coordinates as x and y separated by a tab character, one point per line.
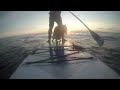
80	21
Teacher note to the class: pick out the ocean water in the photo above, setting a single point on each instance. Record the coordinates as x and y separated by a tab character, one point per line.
111	39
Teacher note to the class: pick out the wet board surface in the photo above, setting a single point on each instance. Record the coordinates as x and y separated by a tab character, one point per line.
58	61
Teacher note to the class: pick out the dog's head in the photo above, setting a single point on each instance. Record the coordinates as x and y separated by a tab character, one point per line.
59	31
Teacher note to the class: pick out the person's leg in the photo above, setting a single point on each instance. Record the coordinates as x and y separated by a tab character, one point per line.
51	24
58	21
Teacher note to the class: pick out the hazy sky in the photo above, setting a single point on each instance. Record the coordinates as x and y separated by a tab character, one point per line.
18	22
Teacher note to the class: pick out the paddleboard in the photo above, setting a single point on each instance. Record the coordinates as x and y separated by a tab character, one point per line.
59	61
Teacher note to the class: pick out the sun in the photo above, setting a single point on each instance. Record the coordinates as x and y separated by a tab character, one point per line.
71	25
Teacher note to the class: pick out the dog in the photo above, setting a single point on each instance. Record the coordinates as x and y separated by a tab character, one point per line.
59	33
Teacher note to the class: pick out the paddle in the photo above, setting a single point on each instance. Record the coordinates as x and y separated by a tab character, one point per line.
96	37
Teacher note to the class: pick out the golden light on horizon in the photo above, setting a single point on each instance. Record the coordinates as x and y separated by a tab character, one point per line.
22	32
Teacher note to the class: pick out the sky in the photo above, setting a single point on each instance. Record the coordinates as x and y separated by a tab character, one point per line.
25	22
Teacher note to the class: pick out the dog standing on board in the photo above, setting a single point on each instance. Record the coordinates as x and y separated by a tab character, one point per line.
59	33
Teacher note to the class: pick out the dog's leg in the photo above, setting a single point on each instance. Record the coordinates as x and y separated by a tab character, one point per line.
63	40
52	39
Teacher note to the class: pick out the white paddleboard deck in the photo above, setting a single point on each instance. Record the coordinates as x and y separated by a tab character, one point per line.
74	68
